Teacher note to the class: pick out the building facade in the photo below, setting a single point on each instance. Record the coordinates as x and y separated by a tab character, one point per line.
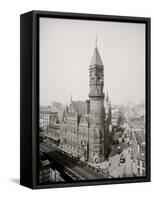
85	125
47	172
44	172
47	117
138	150
138	146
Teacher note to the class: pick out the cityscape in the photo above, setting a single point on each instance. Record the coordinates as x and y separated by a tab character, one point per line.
91	139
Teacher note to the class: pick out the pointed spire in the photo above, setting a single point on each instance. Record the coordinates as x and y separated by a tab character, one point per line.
96	41
108	99
107	95
96	58
66	108
71	97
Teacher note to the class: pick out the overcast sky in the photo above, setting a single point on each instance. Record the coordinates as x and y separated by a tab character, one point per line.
66	48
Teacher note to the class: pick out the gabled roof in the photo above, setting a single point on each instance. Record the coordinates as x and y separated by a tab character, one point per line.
84	119
96	58
80	106
72	105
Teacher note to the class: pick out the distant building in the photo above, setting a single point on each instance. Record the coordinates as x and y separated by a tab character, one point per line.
47	117
138	152
85	125
41	121
53	130
136	111
115	113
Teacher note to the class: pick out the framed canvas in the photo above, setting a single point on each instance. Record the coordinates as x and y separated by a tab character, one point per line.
85	99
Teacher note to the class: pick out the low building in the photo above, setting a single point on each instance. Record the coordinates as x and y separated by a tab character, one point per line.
138	153
53	132
44	172
47	117
48	173
115	112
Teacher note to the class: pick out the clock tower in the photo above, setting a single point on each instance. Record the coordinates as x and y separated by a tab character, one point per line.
97	113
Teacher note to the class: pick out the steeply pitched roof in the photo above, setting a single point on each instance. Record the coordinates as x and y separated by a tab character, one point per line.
84	119
80	106
96	58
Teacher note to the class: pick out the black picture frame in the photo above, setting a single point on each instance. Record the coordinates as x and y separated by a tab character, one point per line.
29	96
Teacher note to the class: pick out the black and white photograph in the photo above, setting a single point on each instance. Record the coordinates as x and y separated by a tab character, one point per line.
76	111
91	100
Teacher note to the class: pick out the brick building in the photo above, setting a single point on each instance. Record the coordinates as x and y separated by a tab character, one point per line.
85	124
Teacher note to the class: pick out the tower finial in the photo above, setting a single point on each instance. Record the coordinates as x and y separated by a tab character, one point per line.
96	40
71	97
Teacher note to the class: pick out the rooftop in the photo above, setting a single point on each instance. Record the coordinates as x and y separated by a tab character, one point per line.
81	106
96	59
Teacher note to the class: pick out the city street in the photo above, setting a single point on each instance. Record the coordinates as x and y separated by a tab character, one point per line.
118	169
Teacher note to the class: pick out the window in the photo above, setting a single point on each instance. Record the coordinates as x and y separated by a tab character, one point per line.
95	136
65	141
138	169
143	164
100	79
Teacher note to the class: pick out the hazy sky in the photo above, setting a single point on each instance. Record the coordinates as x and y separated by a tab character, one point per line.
66	48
